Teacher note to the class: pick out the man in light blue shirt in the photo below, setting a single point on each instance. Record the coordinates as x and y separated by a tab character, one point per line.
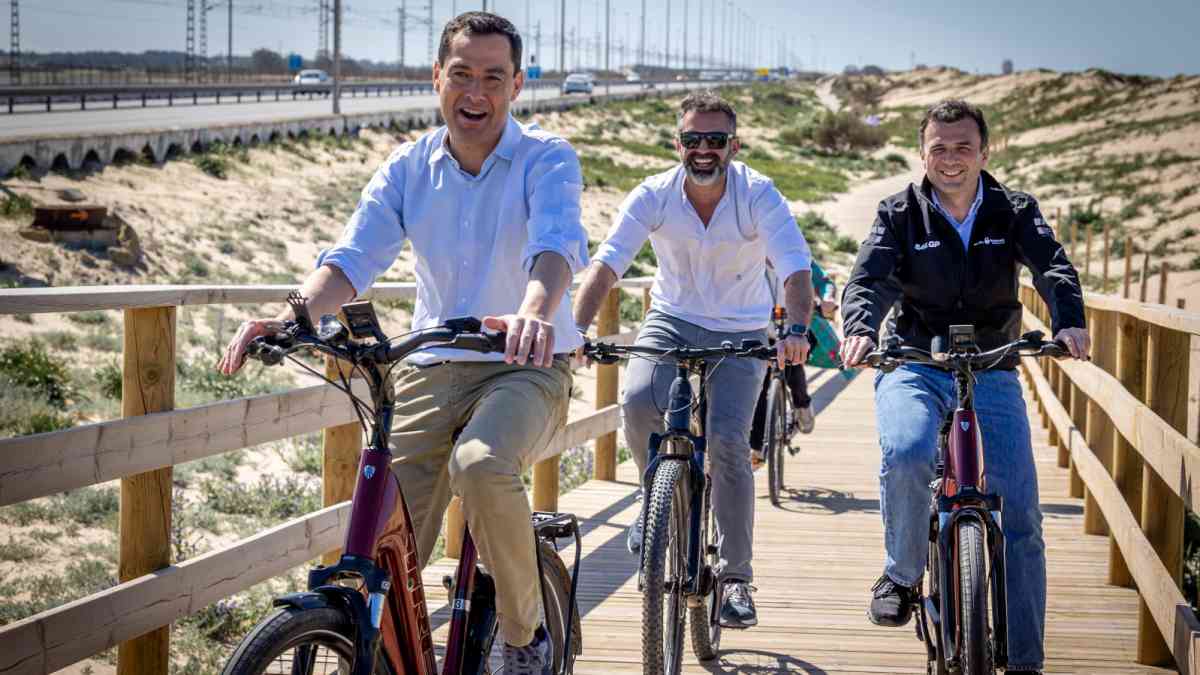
964	226
491	209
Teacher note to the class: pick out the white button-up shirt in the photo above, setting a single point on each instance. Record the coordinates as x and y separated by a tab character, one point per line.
474	237
712	277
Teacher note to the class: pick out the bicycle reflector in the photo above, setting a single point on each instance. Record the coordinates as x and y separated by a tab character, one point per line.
779	313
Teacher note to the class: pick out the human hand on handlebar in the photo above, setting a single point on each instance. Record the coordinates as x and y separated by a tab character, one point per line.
235	352
530	338
854	349
792	351
1077	340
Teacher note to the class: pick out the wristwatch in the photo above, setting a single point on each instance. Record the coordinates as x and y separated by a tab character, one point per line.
797	329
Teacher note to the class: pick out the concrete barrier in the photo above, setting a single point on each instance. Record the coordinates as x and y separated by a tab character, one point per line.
96	149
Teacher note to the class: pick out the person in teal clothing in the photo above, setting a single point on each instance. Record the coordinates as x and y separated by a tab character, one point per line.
826	306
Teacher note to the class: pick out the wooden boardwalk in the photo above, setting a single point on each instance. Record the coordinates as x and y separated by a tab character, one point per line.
817	557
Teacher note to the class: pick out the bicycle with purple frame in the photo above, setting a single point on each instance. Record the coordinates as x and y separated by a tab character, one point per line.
966	543
367	613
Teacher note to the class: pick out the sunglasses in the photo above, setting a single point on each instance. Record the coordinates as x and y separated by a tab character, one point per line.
716	140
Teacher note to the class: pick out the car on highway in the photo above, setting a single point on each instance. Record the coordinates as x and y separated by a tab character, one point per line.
305	80
578	82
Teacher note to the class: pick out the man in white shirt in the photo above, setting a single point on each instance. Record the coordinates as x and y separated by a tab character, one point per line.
491	209
713	223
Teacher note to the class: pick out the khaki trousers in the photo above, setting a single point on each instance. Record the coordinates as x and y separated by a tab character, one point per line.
503	416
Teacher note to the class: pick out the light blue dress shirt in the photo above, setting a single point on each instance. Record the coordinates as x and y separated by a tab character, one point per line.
474	237
964	228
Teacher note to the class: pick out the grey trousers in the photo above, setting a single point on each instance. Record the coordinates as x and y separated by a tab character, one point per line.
733	386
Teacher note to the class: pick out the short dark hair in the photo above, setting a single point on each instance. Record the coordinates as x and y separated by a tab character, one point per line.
949	111
707	101
481	23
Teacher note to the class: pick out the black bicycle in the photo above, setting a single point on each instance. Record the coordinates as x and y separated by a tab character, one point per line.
777	429
966	542
680	553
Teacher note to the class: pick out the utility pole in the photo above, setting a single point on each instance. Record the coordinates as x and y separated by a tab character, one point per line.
642	44
323	29
14	53
562	36
529	31
229	51
700	42
403	17
189	60
337	56
429	35
607	46
667	50
685	34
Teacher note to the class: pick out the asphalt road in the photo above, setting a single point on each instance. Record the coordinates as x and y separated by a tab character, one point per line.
187	116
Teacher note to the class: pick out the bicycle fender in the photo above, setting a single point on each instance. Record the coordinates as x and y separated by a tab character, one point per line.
348	600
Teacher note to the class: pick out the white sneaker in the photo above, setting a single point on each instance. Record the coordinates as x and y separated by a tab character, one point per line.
633	538
805	419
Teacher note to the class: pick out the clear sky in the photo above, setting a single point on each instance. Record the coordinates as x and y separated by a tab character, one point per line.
1156	37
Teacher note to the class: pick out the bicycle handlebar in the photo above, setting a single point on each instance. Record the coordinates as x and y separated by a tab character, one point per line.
607	353
1030	344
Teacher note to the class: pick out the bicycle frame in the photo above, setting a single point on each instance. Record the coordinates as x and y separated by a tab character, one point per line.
689	448
960	493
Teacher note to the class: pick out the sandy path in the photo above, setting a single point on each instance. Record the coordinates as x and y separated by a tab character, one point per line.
853	212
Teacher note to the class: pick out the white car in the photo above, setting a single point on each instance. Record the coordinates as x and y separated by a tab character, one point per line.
308	78
578	82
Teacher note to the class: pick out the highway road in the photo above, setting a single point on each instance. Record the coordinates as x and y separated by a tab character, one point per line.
188	116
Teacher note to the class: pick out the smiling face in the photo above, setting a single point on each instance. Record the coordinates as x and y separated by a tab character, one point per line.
476	83
706	165
953	156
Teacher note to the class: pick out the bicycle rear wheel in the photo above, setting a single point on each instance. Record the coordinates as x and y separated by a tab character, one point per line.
556	598
316	641
973	597
775	441
664	568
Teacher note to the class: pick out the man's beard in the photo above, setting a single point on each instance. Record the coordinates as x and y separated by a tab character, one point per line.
705	177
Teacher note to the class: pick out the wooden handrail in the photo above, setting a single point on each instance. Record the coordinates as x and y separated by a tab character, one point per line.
1159	315
83	298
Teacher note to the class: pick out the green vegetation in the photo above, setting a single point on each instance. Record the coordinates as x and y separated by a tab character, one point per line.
219	158
14	205
837	132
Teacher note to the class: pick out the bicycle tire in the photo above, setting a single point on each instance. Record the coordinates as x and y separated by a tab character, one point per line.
556	594
776	439
704	616
976	658
938	666
288	629
665	546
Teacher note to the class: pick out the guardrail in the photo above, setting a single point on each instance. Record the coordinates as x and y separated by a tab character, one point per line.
1128	426
141	448
79	97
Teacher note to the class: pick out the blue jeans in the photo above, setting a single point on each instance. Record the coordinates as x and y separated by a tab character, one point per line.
910	404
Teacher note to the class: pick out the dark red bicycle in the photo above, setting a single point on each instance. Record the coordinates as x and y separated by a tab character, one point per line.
367	613
966	544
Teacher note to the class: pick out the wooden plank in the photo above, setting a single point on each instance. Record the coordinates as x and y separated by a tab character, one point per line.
1126	463
605	465
133	296
1193	407
1162	315
52	640
147	386
44	464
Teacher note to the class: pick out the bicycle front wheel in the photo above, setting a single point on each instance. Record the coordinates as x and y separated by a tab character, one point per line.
775	442
664	570
973	596
291	640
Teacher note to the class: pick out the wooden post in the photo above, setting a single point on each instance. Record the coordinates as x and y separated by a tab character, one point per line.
1163	511
1058	231
1064	396
645	301
1052	377
1098	427
545	484
147	386
1078	410
1145	275
456	524
1104	272
605	466
1126	462
1128	264
1074	231
340	450
1087	251
1163	270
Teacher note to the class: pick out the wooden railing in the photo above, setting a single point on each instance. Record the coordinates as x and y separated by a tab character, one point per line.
1127	425
141	448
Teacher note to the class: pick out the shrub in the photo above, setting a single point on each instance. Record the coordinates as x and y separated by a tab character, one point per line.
14	205
270	497
108	378
88	318
24	412
31	367
896	158
840	132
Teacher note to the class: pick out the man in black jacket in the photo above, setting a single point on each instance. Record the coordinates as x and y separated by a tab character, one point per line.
949	252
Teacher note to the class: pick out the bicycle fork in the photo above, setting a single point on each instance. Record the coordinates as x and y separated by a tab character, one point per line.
942	613
698	578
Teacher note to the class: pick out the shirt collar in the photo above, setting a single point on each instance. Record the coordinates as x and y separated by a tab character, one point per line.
970	212
505	149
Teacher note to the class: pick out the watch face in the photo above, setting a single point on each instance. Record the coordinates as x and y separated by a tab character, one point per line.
798	329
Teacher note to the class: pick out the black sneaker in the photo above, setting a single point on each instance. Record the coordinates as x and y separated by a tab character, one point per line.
891	603
532	659
737	606
1023	672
